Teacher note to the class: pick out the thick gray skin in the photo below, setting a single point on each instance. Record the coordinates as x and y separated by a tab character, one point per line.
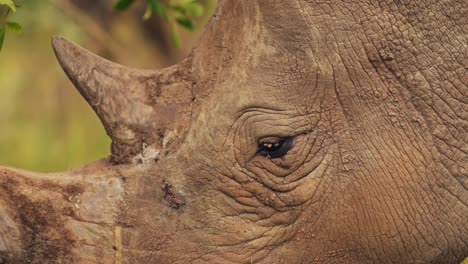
373	91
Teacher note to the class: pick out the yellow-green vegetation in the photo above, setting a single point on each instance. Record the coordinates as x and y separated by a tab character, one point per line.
180	12
45	125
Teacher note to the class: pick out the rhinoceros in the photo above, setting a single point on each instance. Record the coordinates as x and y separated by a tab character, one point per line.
297	131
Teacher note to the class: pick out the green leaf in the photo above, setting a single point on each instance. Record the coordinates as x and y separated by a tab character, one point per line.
185	2
148	12
179	11
159	8
2	36
121	5
175	38
194	9
9	3
14	27
186	23
188	7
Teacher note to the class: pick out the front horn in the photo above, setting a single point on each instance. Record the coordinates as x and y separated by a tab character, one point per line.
132	104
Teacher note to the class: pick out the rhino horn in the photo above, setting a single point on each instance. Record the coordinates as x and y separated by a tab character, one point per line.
123	98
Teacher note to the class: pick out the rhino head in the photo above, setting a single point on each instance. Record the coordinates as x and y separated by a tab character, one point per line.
296	132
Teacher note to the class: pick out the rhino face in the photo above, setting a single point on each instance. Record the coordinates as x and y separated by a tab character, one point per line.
303	134
247	177
350	179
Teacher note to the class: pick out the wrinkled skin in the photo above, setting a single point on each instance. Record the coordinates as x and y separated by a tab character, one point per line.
373	94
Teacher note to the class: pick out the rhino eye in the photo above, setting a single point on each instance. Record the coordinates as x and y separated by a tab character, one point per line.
275	147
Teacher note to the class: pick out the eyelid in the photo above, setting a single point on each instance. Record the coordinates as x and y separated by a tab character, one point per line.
270	139
288	132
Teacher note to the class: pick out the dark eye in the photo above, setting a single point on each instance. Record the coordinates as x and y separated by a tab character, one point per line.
275	147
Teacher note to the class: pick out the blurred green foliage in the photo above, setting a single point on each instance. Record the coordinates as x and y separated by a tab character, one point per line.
45	125
9	3
180	12
6	7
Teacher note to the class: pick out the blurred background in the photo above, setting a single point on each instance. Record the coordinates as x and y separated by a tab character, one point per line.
45	125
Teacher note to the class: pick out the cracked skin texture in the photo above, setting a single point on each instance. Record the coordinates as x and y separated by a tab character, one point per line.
374	93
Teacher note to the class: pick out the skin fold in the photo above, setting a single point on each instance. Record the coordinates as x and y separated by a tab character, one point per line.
373	94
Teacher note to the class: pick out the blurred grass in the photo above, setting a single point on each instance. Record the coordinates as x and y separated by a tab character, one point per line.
45	125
